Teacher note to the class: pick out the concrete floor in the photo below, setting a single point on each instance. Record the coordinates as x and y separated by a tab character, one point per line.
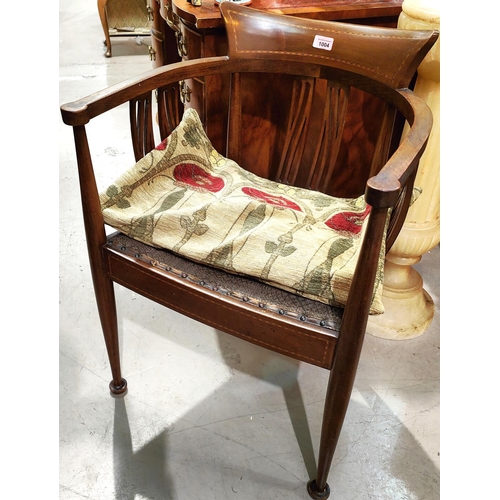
208	416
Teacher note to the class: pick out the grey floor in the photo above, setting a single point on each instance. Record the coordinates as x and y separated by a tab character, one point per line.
208	416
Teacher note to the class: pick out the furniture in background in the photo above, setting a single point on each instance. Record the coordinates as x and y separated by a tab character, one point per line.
324	330
409	309
123	18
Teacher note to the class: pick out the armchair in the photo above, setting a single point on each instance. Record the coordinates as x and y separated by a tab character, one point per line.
265	252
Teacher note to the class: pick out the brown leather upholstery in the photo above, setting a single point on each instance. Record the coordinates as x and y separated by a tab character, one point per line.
251	291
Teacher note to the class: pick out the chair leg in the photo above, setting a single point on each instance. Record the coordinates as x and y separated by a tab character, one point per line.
348	352
337	399
101	7
313	490
336	403
96	238
105	297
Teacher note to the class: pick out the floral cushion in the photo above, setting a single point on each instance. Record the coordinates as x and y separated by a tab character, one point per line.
186	197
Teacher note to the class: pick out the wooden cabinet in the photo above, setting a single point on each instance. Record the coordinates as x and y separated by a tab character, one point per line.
192	32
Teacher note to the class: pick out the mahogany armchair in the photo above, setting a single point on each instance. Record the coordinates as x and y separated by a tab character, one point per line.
183	195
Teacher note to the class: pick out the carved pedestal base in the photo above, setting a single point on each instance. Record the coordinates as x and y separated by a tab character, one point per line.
408	307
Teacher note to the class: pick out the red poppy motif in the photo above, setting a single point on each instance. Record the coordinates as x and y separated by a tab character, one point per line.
196	178
163	144
271	199
348	222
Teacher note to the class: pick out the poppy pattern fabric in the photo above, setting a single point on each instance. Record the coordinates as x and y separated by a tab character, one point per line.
186	197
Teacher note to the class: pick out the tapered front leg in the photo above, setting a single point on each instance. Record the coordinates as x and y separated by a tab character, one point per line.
348	351
105	297
338	395
96	238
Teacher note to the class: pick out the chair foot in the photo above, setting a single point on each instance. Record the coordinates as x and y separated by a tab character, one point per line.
120	389
314	493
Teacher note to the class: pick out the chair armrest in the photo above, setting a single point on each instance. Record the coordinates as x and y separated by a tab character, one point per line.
80	112
383	189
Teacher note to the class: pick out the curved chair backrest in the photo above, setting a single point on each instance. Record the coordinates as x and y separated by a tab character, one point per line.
386	55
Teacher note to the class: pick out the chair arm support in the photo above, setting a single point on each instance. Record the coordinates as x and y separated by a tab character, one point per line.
383	189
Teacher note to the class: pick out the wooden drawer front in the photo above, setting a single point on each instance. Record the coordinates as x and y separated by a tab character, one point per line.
190	43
